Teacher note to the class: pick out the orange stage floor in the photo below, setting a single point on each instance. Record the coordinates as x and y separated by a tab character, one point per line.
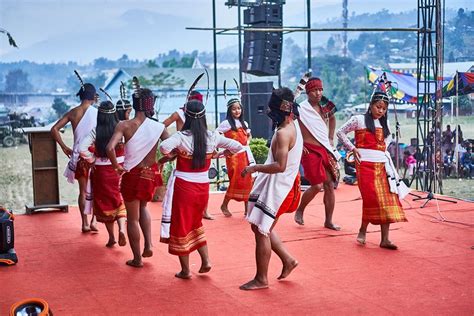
431	273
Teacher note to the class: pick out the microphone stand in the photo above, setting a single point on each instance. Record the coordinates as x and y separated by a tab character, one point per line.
397	137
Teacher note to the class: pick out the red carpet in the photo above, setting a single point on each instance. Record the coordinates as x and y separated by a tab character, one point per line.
76	274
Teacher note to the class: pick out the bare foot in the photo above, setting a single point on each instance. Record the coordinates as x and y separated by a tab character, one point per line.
299	217
253	285
208	216
135	264
205	268
361	237
183	275
122	239
225	211
110	244
147	253
332	226
388	245
287	268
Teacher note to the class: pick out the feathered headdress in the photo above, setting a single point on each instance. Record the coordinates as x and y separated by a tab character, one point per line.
382	90
87	90
234	99
80	80
106	94
301	85
187	111
123	103
143	99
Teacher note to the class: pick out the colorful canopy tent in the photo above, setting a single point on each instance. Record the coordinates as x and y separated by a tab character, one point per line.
404	85
406	90
465	84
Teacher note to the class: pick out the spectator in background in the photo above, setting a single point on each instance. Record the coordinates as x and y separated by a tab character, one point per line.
447	139
341	151
448	163
410	163
459	133
467	162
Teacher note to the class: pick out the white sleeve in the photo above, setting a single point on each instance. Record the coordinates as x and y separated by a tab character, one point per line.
229	144
249	131
349	126
223	127
84	145
170	143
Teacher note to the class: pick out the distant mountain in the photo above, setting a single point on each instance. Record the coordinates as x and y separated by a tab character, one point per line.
143	34
138	33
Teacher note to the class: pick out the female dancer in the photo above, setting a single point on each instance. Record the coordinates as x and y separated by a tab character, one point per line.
188	188
378	181
108	205
234	127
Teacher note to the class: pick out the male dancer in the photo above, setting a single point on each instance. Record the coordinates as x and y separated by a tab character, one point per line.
276	189
83	119
319	156
140	170
179	118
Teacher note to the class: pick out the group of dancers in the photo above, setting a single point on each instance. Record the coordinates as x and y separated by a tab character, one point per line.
115	163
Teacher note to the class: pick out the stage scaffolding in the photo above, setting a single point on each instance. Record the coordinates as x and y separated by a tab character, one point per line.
429	65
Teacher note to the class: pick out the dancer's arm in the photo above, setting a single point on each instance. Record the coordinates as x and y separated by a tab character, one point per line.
282	147
110	149
57	136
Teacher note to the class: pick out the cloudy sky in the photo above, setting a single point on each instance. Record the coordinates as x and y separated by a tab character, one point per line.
61	30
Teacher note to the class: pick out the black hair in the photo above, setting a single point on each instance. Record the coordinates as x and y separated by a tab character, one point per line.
198	129
231	119
277	115
369	120
87	92
122	108
121	114
106	123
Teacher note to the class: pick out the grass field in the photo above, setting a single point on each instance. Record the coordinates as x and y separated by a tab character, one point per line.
16	178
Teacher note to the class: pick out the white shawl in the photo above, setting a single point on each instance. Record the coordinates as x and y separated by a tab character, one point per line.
270	190
315	124
137	147
87	123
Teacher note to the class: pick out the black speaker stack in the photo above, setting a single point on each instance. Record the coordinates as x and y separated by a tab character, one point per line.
262	50
255	96
7	238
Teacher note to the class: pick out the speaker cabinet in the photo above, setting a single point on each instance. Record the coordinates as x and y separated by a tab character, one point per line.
262	50
255	96
265	13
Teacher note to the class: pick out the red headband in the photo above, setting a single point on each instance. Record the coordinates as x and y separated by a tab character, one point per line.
313	84
195	95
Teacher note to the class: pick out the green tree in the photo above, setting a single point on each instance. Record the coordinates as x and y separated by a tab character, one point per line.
97	81
152	64
17	81
172	63
184	62
466	106
60	107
